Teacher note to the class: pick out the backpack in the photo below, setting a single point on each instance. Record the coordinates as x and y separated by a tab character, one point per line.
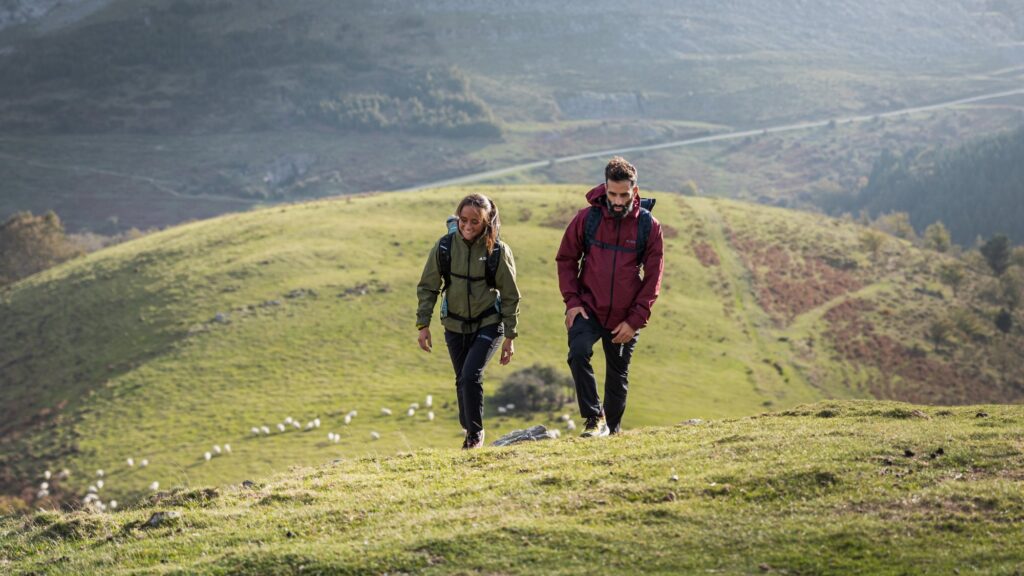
444	264
593	221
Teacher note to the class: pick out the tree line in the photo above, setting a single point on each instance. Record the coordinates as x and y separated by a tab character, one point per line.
975	190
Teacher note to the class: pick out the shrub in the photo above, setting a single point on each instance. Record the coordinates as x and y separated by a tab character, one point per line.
535	389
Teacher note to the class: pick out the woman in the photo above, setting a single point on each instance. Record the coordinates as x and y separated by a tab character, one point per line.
477	274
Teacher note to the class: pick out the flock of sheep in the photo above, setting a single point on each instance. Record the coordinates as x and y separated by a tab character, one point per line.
92	498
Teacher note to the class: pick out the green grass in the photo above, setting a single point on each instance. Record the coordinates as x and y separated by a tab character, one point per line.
828	488
118	354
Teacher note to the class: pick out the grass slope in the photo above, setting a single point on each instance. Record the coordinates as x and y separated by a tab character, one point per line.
119	354
833	488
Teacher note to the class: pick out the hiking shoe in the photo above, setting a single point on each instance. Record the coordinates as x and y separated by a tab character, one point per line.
596	426
473	441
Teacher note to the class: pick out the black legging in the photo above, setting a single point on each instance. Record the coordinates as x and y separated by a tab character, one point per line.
470	354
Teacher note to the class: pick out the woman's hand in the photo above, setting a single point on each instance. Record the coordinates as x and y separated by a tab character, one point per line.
425	342
507	350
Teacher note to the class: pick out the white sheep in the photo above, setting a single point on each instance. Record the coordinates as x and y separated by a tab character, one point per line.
99	483
265	430
309	425
47	474
289	420
330	436
280	427
64	474
316	422
255	431
348	419
113	504
296	425
570	425
411	412
554	433
216	448
415	405
510	406
565	417
353	413
42	493
385	411
154	486
44	486
430	415
207	456
100	473
502	410
430	401
144	463
92	489
130	462
375	435
227	448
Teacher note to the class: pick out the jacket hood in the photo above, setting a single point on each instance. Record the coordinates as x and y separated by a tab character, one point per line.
597	196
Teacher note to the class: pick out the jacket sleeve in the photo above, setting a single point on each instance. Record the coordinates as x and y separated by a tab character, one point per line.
650	287
505	281
428	289
568	261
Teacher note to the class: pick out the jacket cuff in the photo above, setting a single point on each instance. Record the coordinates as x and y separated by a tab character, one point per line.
635	321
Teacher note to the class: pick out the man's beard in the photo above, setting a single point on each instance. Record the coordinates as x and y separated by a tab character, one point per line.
617	214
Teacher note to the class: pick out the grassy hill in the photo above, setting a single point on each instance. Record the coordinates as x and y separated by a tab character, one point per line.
829	488
163	347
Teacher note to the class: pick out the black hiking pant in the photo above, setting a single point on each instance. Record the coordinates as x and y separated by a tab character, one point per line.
585	332
470	354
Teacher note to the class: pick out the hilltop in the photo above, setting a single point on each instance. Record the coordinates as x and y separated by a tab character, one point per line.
162	347
830	488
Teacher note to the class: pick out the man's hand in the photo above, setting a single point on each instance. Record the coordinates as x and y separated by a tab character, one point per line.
425	342
507	350
572	313
623	333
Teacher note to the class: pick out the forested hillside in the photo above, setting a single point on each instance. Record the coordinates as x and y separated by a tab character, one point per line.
974	190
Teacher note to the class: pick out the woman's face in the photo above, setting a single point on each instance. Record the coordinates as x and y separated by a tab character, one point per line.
472	221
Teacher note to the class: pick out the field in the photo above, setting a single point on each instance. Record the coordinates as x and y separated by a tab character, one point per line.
827	488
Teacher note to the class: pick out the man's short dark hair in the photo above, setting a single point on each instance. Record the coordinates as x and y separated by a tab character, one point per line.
618	170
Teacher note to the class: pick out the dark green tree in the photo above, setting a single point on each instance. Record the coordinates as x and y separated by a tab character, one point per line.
997	253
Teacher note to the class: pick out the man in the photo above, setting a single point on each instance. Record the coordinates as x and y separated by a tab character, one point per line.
606	296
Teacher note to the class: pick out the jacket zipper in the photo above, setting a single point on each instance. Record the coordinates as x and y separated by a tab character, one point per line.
469	282
615	256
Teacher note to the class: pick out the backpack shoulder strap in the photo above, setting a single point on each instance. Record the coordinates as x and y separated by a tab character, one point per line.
493	259
642	233
444	260
590	226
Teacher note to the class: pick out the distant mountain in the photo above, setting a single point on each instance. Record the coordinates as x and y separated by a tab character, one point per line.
148	113
975	189
209	66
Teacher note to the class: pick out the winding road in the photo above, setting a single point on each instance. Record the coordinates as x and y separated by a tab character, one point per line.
491	174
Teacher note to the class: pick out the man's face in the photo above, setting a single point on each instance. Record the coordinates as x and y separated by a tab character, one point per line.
620	196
